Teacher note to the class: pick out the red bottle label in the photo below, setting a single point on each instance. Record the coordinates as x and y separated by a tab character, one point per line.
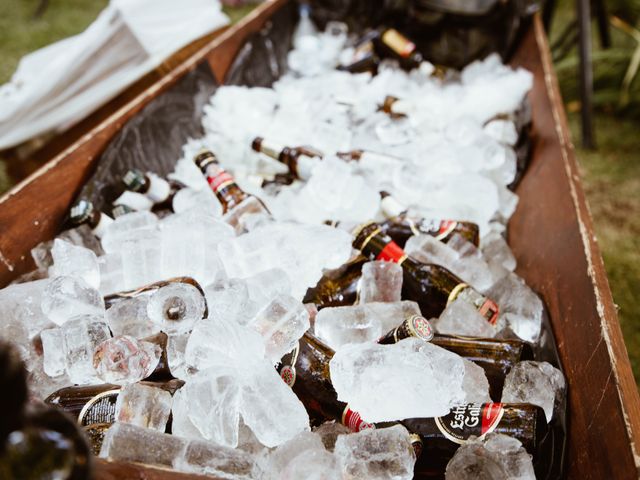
392	253
489	310
472	419
353	421
220	180
446	227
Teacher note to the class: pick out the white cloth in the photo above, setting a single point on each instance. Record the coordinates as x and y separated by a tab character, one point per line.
59	85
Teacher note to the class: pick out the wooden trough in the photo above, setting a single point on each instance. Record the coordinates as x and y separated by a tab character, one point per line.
551	235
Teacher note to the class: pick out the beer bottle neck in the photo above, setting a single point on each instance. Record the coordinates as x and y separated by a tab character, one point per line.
224	186
376	245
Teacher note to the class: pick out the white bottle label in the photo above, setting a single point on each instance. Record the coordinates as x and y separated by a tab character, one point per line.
134	200
103	224
391	208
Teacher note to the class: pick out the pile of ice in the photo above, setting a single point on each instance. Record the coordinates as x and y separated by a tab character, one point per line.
234	417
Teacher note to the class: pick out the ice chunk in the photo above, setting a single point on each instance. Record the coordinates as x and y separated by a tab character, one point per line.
538	383
339	326
521	309
125	442
68	297
329	433
249	207
82	335
230	299
212	398
176	307
123	360
144	405
302	444
281	323
302	251
72	261
140	251
494	456
215	460
264	286
270	408
54	355
128	316
380	282
181	424
384	453
176	346
430	378
304	456
461	318
128	226
475	384
111	274
458	256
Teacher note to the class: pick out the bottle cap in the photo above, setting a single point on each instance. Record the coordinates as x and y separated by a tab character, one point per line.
204	157
255	144
81	212
134	179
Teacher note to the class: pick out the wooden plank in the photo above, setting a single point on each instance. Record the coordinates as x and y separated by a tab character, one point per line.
34	209
552	236
105	470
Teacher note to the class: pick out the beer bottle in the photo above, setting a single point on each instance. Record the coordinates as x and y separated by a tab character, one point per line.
433	287
228	192
84	213
120	194
400	226
395	107
365	58
154	187
391	43
496	357
94	406
442	436
337	287
299	160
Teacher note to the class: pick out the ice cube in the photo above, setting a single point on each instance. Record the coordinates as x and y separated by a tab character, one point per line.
176	346
304	456
249	206
129	317
270	408
176	307
125	442
380	282
140	251
181	424
123	360
264	286
281	323
329	433
68	297
302	444
230	299
126	227
461	318
521	309
494	456
339	326
144	405
384	453
54	355
72	261
111	274
475	384
82	335
212	399
538	383
430	378
215	460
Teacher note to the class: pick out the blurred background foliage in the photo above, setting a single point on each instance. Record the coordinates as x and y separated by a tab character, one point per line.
611	172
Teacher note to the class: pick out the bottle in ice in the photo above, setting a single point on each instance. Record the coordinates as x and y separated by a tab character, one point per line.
400	225
442	436
94	406
235	201
120	193
389	42
155	188
299	160
431	286
365	58
84	213
496	357
337	287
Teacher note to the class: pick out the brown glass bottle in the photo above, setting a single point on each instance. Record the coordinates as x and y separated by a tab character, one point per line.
155	188
391	43
337	287
400	226
111	299
430	285
365	58
299	160
228	192
84	213
442	436
496	357
94	406
306	371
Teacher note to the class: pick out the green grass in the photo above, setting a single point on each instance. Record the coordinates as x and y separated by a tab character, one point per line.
611	177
